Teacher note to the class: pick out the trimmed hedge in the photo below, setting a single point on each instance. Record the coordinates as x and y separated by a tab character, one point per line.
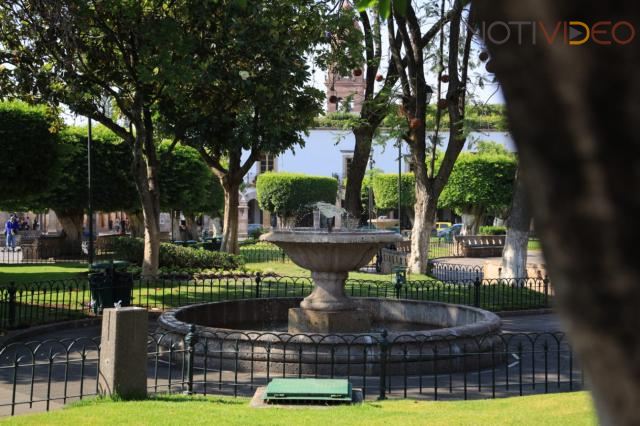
385	190
493	230
177	257
289	194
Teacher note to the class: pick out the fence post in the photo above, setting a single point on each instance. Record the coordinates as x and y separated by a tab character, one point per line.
258	281
476	288
190	341
283	255
384	348
12	290
546	290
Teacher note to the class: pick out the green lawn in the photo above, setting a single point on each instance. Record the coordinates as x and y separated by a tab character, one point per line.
289	269
556	409
32	273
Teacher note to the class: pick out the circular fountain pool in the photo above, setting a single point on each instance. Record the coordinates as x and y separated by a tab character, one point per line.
251	333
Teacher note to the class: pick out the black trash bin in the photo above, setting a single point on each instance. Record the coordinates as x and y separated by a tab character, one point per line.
109	284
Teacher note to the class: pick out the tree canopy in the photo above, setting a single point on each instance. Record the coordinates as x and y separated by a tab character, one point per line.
385	190
480	181
29	149
188	183
112	185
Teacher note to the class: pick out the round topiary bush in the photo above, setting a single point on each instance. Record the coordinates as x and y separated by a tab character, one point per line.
290	194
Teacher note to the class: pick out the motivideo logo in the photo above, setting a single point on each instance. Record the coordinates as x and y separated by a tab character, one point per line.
573	33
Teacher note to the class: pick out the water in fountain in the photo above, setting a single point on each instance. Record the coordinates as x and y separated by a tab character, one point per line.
322	217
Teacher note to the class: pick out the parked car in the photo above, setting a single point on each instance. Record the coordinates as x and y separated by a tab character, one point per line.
440	226
447	234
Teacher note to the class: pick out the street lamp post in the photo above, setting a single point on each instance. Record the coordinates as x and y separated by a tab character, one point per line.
399	185
90	193
371	163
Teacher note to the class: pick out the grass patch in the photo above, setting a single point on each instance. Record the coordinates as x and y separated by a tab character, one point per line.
555	409
32	273
534	245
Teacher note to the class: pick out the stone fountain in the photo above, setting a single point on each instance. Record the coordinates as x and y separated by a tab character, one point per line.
329	255
328	332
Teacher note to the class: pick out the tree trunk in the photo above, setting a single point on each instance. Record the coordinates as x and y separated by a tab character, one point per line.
472	219
357	170
136	224
150	262
72	223
230	221
145	168
514	255
192	226
424	218
573	113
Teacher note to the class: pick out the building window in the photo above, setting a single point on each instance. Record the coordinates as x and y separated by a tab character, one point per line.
267	163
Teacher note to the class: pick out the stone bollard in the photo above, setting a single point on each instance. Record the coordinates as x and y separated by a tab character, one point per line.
123	353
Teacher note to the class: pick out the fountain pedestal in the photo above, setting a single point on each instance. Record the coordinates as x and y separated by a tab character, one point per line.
310	321
328	309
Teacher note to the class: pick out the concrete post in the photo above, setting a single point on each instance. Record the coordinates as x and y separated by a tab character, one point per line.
123	353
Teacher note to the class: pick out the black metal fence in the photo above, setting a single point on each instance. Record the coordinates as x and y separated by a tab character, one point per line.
27	304
47	374
54	251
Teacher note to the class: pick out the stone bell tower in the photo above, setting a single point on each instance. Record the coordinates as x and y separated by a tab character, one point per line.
340	88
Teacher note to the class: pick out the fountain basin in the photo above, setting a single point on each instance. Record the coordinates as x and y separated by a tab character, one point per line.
238	334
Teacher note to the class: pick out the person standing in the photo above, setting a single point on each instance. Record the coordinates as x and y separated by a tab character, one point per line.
10	230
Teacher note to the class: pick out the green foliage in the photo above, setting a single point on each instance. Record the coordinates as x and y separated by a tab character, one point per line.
289	194
111	178
477	117
492	148
177	257
337	120
483	182
249	87
187	182
385	190
29	150
493	230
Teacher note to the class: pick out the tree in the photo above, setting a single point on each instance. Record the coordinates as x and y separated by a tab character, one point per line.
29	138
290	195
385	192
429	182
377	104
480	184
188	184
577	139
91	55
514	255
251	92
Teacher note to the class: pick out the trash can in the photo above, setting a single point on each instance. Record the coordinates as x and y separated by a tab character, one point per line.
109	284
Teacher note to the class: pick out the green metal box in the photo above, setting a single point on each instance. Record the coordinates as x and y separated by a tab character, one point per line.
308	389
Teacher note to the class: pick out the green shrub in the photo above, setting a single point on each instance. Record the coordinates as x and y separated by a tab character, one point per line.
289	194
385	190
493	230
176	257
